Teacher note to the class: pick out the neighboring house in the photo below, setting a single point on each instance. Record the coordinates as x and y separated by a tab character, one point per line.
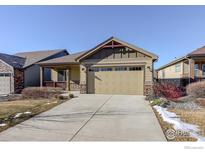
32	69
11	73
191	67
112	67
21	70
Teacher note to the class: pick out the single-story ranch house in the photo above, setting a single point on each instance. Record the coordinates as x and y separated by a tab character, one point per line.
191	67
112	67
21	70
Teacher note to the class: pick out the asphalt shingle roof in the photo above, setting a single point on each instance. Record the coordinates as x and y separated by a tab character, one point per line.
36	56
199	51
14	61
69	59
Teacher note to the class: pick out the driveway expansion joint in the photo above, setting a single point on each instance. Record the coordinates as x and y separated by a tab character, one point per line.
89	119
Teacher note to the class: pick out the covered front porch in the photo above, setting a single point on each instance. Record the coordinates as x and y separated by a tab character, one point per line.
194	68
66	77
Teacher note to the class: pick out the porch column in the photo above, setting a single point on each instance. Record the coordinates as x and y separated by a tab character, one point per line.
41	76
200	70
67	80
191	68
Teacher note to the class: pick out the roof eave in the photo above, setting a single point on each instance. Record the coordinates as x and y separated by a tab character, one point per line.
45	58
196	55
172	63
60	63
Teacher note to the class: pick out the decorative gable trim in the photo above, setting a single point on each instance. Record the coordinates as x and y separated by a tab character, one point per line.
114	42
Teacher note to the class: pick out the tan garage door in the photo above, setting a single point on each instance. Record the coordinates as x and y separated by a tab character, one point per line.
116	80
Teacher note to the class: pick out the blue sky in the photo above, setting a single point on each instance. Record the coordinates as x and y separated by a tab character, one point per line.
168	31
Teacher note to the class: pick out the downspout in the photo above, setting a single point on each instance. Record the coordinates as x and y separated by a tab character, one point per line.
189	69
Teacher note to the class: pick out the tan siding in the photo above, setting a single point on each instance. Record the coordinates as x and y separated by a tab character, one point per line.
118	57
170	72
148	72
117	53
186	67
74	73
54	75
132	54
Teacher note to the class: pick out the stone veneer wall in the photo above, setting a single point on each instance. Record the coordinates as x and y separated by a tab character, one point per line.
74	85
83	79
4	68
147	89
83	88
18	80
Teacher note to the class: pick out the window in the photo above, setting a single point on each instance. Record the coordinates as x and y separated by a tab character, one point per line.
135	68
105	69
47	74
5	74
61	75
102	69
203	69
196	69
120	68
178	68
93	70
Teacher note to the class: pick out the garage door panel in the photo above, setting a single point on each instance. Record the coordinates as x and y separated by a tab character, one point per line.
116	82
4	85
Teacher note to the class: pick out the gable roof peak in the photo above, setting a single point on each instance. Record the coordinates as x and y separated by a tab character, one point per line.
89	52
12	60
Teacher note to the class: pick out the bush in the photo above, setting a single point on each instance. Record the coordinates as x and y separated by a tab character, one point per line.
156	102
169	91
196	89
41	92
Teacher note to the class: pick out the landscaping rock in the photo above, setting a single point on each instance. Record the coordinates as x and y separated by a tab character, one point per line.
165	104
164	100
66	96
190	105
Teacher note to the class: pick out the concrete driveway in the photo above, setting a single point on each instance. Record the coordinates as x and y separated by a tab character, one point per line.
91	118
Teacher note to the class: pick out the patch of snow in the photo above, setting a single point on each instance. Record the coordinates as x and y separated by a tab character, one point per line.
172	118
27	112
18	115
2	125
3	95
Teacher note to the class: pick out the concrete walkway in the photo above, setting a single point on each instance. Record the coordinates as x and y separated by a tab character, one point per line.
91	118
